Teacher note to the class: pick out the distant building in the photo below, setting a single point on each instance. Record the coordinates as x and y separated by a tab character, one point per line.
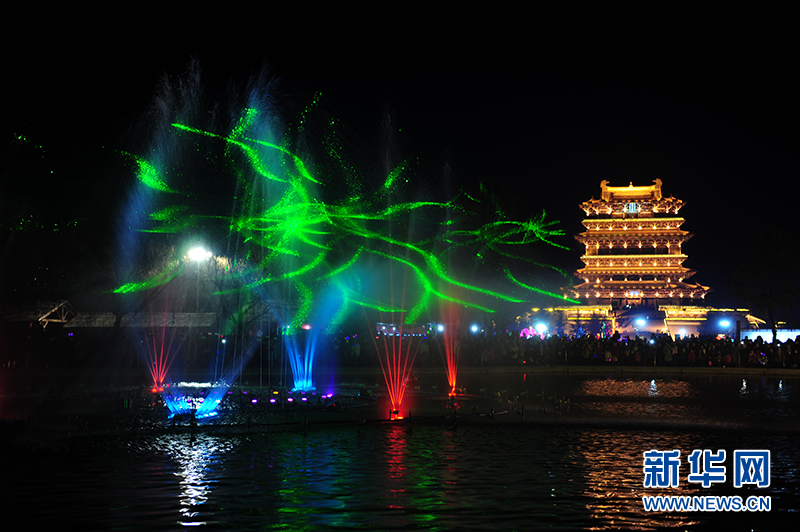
634	282
633	253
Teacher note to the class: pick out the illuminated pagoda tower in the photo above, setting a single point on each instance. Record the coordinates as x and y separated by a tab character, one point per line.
633	254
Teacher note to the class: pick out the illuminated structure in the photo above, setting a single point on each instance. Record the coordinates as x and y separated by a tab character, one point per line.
633	251
603	321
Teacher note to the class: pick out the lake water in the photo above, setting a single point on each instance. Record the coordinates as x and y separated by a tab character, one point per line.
561	452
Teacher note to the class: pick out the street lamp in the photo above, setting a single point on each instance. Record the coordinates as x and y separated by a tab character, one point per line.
199	254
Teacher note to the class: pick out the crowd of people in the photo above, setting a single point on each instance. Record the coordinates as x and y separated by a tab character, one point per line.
502	349
512	349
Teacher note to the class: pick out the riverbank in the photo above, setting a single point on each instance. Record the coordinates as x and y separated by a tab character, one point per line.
600	369
40	380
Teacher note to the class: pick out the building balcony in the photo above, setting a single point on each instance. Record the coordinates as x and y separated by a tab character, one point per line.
628	252
633	262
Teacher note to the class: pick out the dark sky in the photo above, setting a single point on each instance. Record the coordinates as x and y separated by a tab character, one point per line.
542	121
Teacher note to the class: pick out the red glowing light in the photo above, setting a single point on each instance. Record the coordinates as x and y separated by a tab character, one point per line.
452	345
159	360
396	358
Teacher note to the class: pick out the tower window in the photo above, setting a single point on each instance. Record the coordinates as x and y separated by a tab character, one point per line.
632	208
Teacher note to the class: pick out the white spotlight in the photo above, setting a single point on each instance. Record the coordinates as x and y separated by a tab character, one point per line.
198	254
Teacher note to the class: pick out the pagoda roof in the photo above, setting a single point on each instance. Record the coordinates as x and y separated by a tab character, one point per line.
603	233
631	193
635	270
628	221
636	283
651	192
631	258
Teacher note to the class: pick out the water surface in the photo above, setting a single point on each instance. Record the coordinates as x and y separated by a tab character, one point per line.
536	465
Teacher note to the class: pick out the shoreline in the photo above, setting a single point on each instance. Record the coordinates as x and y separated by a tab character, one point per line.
39	382
630	370
8	377
74	397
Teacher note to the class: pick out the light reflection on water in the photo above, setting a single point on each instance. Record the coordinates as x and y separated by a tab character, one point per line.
515	473
196	461
614	483
627	388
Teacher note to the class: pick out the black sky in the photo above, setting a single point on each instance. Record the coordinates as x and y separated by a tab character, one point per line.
542	121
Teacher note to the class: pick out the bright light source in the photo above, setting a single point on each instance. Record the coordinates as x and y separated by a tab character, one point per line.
541	328
725	323
474	328
640	322
682	332
198	254
440	328
305	326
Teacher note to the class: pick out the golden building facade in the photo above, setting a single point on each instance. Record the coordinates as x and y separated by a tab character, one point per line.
633	250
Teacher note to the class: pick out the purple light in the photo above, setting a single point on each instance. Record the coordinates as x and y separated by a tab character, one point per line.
254	401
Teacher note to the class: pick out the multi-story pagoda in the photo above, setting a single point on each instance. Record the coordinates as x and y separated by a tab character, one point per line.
633	251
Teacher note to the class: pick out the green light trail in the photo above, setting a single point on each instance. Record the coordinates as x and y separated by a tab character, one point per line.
149	175
286	235
152	282
538	290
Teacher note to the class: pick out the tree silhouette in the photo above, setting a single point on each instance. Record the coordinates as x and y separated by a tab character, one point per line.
766	277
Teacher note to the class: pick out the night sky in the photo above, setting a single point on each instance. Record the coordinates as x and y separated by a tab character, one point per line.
541	121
